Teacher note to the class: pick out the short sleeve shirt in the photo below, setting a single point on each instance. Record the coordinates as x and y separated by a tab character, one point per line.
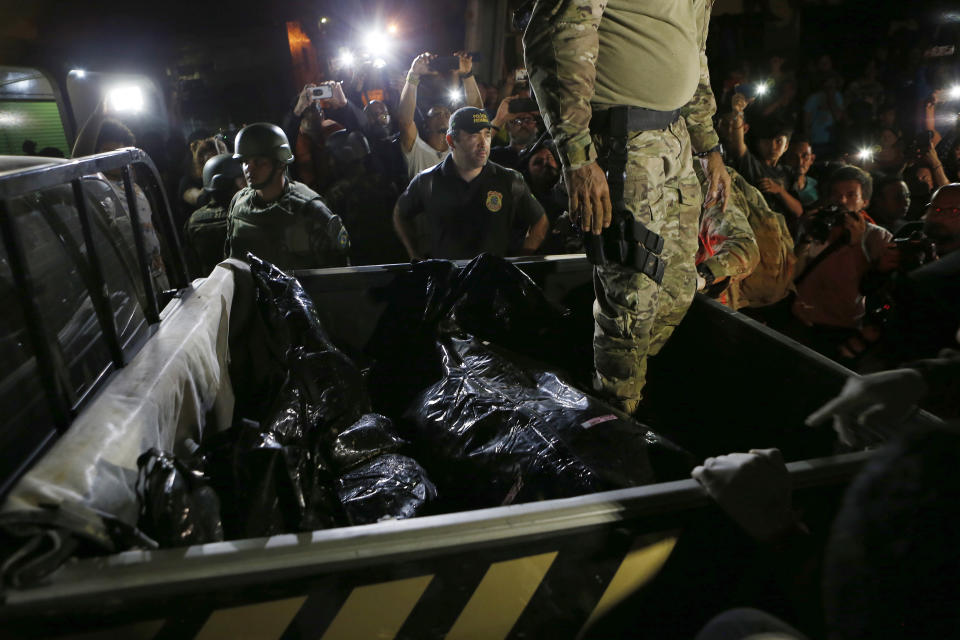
465	219
754	169
422	156
829	294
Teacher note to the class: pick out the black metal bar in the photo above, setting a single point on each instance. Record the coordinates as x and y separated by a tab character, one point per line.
57	173
97	286
39	336
152	312
61	172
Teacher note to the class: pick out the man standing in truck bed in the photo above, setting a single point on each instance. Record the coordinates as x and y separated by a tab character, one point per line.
625	83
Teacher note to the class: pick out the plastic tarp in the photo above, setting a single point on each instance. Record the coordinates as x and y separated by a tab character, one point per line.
178	382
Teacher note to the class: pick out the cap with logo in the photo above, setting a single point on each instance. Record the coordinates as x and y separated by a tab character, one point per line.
469	119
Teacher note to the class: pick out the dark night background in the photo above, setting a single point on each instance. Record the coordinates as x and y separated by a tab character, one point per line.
221	63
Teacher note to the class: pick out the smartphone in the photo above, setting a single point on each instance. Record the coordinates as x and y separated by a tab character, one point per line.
445	63
520	75
322	92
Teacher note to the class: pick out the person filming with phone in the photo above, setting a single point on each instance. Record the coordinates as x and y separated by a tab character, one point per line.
319	111
521	117
426	146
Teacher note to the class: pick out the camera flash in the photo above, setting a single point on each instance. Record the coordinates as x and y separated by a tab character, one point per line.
865	153
455	96
762	88
954	92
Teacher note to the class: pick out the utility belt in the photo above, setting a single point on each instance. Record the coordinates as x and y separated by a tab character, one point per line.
634	119
626	242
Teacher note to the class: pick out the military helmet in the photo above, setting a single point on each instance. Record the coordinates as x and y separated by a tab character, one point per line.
263	139
220	173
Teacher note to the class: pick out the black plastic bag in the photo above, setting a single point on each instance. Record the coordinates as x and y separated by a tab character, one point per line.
280	488
389	486
371	436
494	300
402	345
178	507
330	381
505	430
489	298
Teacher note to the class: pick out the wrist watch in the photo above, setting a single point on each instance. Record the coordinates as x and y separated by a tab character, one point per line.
703	154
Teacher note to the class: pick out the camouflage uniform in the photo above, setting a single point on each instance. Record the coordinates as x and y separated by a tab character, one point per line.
593	54
296	231
205	234
728	246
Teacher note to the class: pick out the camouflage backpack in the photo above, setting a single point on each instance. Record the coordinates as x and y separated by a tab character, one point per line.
772	279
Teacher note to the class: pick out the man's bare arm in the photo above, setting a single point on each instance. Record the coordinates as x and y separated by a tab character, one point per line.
536	234
408	101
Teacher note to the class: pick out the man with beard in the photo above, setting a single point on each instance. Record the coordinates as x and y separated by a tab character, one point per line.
471	205
520	117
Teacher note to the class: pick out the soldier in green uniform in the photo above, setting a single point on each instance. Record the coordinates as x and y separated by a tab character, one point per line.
206	230
278	219
626	83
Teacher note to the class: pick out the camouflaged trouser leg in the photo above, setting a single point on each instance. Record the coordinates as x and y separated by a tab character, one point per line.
633	316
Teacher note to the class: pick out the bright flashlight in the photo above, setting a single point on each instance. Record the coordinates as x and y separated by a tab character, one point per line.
80	73
954	92
347	58
379	63
392	29
377	43
865	154
762	88
455	96
323	20
125	99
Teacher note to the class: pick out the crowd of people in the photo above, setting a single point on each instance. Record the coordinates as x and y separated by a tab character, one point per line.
837	228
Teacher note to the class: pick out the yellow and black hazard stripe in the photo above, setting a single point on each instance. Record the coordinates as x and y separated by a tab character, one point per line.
555	594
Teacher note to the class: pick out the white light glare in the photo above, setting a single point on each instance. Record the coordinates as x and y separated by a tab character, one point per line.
392	29
865	153
377	43
954	92
9	119
455	96
347	58
125	99
762	88
80	73
379	63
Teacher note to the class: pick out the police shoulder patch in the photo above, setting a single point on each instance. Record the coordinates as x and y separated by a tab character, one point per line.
494	201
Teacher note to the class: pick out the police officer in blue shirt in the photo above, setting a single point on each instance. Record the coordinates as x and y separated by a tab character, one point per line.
469	205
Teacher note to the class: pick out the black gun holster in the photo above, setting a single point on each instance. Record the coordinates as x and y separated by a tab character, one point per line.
626	242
